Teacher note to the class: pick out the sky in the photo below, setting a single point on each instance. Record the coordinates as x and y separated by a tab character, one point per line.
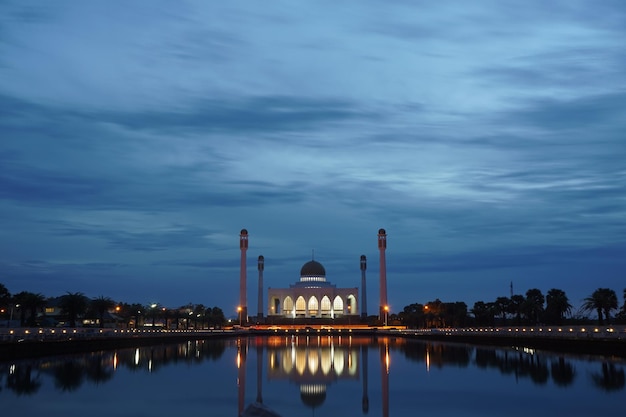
488	138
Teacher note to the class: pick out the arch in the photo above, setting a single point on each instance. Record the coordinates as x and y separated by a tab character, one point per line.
325	306
338	304
300	306
351	304
313	306
287	305
274	306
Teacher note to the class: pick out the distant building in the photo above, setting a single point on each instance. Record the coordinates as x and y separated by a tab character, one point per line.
312	296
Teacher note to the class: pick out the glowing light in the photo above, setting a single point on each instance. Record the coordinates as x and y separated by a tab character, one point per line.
387	359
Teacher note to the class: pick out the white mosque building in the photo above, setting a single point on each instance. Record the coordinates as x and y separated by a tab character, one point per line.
312	297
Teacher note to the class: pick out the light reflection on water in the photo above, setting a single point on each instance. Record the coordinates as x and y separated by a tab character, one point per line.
314	375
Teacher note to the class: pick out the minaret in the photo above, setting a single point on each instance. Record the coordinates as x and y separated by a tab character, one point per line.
243	304
382	246
261	266
363	292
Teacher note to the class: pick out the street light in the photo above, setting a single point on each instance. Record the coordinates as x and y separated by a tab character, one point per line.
153	306
386	314
239	312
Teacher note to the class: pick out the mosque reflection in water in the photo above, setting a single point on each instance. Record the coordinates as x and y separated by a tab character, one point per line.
317	365
313	363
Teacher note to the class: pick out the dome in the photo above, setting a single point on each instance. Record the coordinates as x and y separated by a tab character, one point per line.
312	269
313	395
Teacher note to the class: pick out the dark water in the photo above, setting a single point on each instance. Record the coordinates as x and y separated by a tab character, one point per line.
314	376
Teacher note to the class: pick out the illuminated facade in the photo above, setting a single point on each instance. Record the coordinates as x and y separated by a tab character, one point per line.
312	296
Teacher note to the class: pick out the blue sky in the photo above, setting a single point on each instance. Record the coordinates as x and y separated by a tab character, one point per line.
138	138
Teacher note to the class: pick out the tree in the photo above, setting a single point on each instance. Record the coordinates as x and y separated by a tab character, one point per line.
413	315
557	306
533	306
216	318
484	313
100	306
516	307
602	300
5	297
73	304
30	303
502	305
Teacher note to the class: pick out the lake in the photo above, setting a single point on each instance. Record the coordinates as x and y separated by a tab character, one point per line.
314	376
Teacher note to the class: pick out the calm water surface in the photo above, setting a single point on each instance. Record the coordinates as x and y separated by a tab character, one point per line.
314	376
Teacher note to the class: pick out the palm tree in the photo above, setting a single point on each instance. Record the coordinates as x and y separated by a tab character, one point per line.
602	300
31	303
100	306
73	304
557	305
534	305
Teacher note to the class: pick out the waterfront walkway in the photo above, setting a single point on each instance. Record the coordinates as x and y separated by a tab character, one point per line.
603	340
22	334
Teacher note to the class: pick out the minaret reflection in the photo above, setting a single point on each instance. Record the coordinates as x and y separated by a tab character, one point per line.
256	409
242	347
259	371
365	403
384	368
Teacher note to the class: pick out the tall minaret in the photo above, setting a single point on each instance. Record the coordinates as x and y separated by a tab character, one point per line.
382	246
261	266
243	304
363	292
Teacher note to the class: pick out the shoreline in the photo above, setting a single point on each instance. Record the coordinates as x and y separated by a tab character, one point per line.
32	343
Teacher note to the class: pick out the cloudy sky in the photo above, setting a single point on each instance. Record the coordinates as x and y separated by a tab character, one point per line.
138	138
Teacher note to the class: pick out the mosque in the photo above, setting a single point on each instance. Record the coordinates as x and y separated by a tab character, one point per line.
313	296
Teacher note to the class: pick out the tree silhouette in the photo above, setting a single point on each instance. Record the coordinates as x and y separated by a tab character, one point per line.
611	378
100	306
533	305
602	300
502	306
30	303
557	306
22	382
516	307
73	304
